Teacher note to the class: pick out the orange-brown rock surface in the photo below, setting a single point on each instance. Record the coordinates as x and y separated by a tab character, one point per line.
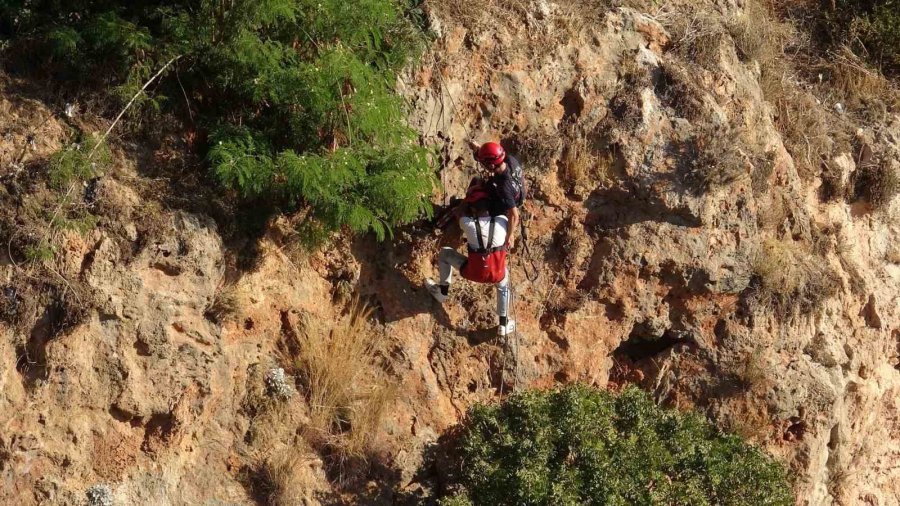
649	274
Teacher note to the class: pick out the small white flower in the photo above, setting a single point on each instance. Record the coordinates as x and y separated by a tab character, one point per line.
100	495
277	384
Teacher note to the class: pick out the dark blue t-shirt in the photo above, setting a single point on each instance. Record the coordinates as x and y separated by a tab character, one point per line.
503	193
506	190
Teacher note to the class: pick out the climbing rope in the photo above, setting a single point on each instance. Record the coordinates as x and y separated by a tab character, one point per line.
514	346
532	274
528	259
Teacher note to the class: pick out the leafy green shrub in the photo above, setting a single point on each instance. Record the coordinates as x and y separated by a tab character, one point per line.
78	161
296	96
870	27
40	252
580	446
872	24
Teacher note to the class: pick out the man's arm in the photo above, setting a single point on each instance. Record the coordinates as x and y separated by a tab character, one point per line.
513	215
453	213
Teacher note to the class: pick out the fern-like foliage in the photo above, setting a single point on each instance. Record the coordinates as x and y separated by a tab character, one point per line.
870	27
78	162
297	95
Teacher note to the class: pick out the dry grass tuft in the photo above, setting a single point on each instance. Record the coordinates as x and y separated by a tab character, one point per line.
789	279
752	369
679	90
537	150
763	168
289	479
696	35
857	86
346	389
225	304
626	105
878	184
757	35
713	158
804	126
581	169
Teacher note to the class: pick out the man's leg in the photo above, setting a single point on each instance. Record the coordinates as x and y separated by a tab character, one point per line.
503	299
447	260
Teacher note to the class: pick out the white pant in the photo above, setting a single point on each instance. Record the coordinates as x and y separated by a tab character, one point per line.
450	258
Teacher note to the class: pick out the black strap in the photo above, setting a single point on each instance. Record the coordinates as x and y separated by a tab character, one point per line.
481	248
490	243
487	250
478	234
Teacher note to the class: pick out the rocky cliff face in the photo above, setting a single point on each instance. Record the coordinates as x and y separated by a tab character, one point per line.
680	246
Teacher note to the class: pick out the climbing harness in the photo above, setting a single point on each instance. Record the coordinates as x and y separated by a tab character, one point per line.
486	263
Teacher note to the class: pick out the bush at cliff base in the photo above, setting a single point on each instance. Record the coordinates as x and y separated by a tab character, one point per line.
581	446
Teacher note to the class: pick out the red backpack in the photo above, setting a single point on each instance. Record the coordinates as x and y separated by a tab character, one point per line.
485	265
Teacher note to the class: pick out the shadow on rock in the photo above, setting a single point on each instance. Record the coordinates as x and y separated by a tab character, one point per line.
611	208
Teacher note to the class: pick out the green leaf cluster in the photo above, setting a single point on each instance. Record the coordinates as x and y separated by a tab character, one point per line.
297	97
873	27
582	446
78	161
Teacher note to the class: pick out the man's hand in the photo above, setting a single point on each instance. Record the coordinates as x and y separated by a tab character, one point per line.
474	146
513	216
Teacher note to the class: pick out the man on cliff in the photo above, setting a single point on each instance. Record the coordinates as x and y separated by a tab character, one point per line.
504	180
505	183
487	238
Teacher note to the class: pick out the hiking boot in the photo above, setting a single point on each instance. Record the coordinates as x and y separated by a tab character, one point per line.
435	290
505	330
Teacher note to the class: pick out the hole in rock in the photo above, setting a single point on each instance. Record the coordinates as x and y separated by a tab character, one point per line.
167	269
795	430
142	348
870	314
158	431
721	330
615	311
640	346
558	337
573	104
896	335
561	377
31	360
123	416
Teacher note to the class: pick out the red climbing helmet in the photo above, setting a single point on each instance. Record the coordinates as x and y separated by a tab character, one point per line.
476	192
491	153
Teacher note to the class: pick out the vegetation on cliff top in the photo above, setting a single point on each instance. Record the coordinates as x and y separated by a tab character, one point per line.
295	97
872	27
